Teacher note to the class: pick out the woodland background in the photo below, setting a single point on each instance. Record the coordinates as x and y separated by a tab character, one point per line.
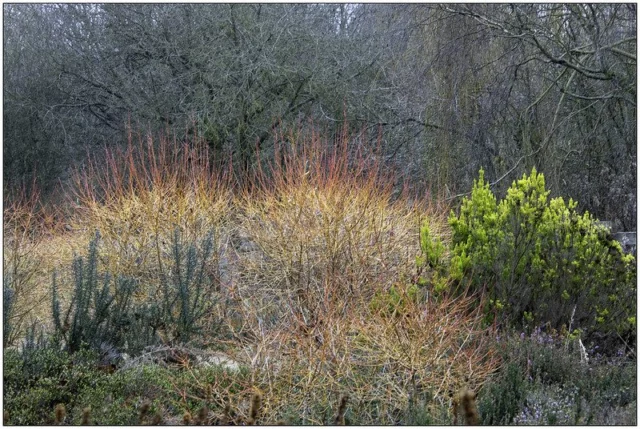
445	89
309	214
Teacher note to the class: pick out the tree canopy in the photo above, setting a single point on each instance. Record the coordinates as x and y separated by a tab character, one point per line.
447	89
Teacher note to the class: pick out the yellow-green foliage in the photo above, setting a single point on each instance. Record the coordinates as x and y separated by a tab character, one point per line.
541	261
396	300
432	248
432	264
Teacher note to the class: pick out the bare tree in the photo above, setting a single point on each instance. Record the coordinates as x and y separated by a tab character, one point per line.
447	88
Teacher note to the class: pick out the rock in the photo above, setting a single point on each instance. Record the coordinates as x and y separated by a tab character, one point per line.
169	355
627	240
218	359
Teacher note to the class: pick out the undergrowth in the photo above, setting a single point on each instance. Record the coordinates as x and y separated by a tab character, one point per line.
545	380
310	294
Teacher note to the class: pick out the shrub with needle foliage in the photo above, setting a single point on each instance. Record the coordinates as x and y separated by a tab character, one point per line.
188	293
100	316
94	316
540	261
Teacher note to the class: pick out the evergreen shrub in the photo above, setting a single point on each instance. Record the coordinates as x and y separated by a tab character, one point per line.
95	316
105	316
37	379
536	260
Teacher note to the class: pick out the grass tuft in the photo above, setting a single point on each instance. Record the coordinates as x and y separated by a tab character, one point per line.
144	411
86	416
157	419
256	401
342	408
186	418
465	401
60	413
203	416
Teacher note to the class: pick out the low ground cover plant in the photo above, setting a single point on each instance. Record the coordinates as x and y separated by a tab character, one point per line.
546	380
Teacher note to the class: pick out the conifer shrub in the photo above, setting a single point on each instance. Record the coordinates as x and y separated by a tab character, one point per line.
432	266
188	291
538	260
94	315
103	315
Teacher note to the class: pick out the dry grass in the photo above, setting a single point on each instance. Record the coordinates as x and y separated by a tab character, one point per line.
28	259
324	231
137	198
305	249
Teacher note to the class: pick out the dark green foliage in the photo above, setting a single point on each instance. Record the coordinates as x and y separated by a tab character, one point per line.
8	295
606	389
188	293
35	381
34	342
421	411
95	316
544	381
115	399
162	386
39	378
502	399
103	315
144	324
539	261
